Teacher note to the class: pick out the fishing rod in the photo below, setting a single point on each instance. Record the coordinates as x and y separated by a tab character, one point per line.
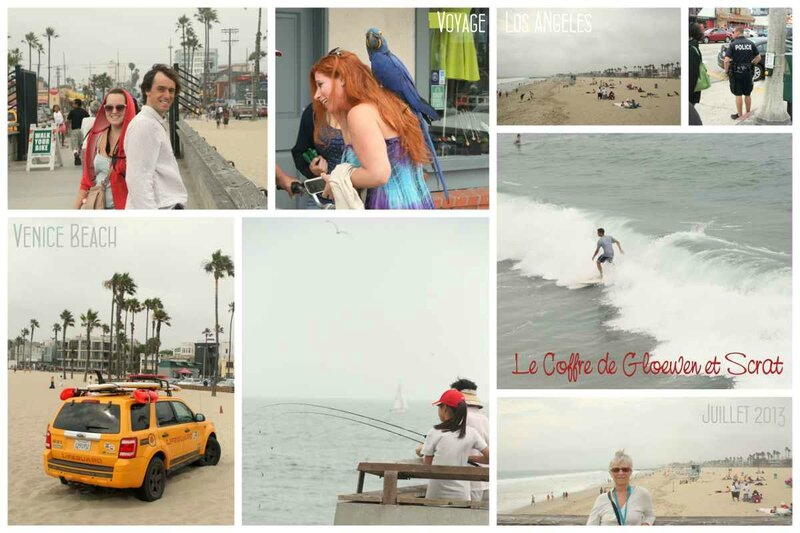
319	406
357	422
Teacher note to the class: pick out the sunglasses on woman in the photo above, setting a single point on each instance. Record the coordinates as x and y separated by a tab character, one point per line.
617	470
119	108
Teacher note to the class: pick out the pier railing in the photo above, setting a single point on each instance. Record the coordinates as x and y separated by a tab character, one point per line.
580	520
394	495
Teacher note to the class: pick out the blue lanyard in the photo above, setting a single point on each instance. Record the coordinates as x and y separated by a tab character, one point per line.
623	515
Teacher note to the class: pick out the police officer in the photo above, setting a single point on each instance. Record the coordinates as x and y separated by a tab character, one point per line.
740	57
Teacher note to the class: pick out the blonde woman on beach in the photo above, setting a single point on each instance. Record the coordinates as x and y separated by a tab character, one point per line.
624	505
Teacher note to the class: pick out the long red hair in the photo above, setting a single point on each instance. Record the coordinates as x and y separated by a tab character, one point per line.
360	87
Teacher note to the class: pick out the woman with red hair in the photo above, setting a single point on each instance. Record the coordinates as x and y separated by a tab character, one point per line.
103	184
383	138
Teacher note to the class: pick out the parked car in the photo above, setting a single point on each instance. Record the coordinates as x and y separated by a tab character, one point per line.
241	111
126	435
747	32
715	35
263	111
761	45
226	383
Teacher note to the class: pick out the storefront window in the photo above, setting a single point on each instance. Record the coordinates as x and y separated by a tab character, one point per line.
459	80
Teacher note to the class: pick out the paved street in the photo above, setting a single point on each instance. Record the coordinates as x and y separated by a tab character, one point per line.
56	189
717	103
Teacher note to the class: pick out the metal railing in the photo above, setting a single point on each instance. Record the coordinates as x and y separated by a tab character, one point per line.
188	101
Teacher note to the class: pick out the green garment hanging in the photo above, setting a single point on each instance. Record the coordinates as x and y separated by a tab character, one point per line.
453	51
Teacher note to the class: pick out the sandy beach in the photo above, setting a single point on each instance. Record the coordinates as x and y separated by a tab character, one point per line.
671	498
556	102
192	495
244	142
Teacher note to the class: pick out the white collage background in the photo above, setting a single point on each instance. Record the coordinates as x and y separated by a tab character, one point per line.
489	394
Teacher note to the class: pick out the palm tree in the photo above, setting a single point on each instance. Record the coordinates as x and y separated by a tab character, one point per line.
32	41
24	334
56	328
111	284
106	331
39	51
182	24
134	307
89	321
206	16
206	335
125	286
34	325
231	309
14	57
160	317
66	320
19	341
220	266
192	46
150	304
49	34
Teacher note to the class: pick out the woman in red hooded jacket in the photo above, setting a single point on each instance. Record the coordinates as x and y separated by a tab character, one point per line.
104	161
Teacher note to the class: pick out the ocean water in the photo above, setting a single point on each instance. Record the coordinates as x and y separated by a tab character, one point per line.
509	84
294	465
705	221
514	489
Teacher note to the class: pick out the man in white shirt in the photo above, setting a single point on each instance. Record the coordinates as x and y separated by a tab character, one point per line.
153	178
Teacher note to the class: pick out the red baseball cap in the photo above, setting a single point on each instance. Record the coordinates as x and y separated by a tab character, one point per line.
451	398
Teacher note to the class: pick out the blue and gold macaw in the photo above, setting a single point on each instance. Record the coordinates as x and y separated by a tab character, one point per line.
393	75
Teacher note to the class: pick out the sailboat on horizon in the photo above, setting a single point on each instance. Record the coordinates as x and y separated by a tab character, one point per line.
400	403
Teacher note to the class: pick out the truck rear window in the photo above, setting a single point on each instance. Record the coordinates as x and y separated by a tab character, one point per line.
89	417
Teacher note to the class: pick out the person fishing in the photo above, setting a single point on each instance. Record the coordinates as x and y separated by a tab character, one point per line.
450	443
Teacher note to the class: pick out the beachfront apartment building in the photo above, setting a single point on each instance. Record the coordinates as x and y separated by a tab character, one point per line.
195	62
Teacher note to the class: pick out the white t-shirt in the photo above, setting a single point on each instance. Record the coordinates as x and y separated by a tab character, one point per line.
448	450
58	118
476	419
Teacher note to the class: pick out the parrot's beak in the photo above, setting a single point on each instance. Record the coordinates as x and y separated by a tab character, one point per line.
373	41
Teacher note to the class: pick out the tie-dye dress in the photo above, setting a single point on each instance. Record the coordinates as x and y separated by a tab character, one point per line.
406	188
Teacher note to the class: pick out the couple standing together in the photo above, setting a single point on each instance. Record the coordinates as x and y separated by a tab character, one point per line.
129	162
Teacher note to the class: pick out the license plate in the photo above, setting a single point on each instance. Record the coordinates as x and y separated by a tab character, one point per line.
83	445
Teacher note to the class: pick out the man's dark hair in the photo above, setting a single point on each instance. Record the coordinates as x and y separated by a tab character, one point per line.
696	31
463	384
601	231
78	102
147	81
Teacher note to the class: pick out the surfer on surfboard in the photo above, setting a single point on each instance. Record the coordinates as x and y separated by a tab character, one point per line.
606	242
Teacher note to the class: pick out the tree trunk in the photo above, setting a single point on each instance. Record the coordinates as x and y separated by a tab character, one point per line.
64	354
88	353
111	348
216	336
774	109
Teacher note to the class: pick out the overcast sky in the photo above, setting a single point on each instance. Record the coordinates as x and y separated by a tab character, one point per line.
141	36
164	258
618	37
575	434
350	316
